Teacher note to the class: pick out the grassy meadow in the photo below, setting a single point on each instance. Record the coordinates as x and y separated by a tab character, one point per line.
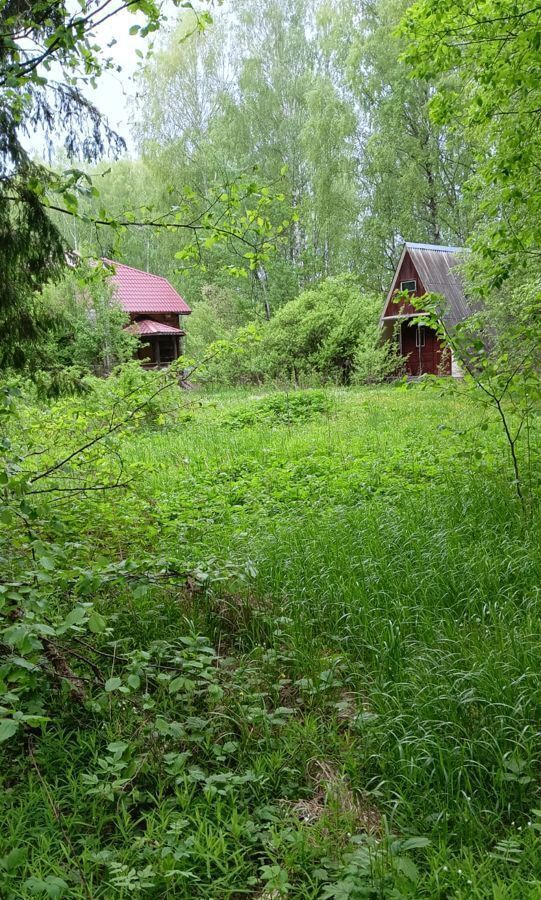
330	687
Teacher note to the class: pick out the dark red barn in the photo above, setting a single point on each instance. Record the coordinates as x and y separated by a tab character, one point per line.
422	269
156	312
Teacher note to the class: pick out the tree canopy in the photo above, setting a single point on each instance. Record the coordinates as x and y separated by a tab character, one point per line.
485	57
281	146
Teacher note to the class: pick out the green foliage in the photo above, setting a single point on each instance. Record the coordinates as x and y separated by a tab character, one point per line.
254	644
216	317
324	330
246	101
83	325
328	333
38	39
484	57
37	575
280	409
375	360
236	360
412	170
500	353
262	637
46	599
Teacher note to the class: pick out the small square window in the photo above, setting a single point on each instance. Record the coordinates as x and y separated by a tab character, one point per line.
420	336
410	286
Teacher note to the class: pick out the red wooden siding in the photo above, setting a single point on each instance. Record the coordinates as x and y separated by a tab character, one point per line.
432	359
407	272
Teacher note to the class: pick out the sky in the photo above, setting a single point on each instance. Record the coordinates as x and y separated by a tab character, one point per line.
115	90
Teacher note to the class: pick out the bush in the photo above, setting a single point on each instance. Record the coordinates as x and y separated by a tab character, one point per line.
331	330
376	360
328	333
217	316
234	361
84	324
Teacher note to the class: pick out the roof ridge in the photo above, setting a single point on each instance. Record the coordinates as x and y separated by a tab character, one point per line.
440	248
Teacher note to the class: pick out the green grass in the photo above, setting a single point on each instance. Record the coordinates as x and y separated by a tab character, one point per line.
370	589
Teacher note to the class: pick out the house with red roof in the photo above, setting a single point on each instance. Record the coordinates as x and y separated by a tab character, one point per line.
156	312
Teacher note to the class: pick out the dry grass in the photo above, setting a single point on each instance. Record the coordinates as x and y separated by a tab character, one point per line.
333	795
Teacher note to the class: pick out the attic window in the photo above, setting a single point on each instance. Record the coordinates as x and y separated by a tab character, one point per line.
410	286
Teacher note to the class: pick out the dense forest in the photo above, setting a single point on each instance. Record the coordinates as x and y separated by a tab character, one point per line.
270	614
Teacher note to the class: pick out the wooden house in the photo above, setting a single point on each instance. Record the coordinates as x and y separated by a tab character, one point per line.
422	269
157	312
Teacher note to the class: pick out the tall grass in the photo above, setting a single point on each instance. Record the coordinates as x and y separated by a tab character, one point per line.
377	558
426	590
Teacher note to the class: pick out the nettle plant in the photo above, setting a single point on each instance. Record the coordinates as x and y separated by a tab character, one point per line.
48	588
499	352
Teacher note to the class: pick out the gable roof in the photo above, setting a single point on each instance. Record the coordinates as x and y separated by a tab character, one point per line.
141	292
439	271
149	326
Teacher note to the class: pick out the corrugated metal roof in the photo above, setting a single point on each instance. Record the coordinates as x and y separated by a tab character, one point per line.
141	292
437	247
149	326
439	271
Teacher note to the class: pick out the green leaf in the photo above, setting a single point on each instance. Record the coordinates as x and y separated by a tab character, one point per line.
6	516
96	622
408	868
177	684
52	886
13	859
113	684
415	843
117	747
76	617
7	729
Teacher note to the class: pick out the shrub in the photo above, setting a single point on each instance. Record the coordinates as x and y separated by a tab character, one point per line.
332	330
376	360
234	361
84	324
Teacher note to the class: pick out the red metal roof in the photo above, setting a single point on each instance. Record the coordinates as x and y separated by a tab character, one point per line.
149	326
141	292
